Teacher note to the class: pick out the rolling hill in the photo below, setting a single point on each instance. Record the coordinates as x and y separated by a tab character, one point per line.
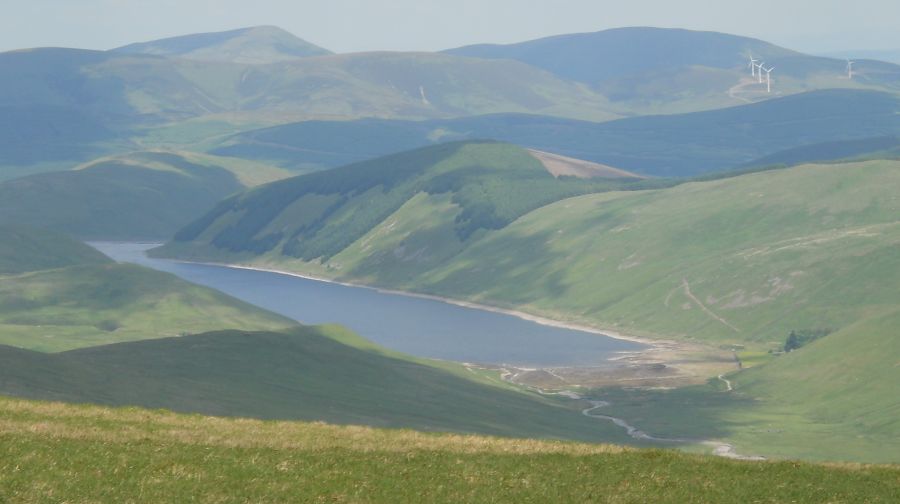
171	344
739	262
309	373
24	249
657	70
477	186
68	452
257	45
142	195
674	145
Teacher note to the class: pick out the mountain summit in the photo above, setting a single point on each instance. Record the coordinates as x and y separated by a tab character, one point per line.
259	44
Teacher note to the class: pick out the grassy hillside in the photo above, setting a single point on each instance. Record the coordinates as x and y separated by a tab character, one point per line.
485	185
258	44
43	138
24	249
674	70
733	261
676	145
886	147
309	373
833	399
53	451
117	89
89	305
142	195
741	259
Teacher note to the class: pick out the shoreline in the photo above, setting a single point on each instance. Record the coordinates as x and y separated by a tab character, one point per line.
650	343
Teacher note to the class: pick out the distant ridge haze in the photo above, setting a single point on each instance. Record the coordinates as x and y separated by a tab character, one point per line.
257	44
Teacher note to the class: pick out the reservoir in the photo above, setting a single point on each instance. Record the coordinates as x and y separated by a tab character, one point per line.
417	326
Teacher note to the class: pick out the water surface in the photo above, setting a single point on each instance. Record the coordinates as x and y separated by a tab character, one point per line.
417	326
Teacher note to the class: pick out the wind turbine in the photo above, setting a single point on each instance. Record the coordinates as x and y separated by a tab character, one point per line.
753	65
850	69
768	78
759	70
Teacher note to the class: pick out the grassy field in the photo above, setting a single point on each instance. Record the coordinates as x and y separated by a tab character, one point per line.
52	452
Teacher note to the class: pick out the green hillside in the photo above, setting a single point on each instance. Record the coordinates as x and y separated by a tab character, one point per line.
44	138
59	452
884	147
674	145
116	88
740	261
89	305
258	44
142	195
24	249
310	373
659	70
833	399
484	185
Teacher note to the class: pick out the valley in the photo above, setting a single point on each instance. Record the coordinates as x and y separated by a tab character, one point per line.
632	265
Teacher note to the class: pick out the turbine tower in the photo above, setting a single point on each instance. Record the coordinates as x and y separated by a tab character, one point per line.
768	78
753	65
759	71
850	69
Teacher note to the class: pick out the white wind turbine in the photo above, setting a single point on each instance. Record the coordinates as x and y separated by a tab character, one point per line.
850	69
759	71
768	78
753	65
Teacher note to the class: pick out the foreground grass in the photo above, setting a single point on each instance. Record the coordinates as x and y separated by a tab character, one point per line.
52	452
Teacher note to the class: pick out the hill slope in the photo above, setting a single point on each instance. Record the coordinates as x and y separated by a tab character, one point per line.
675	145
739	259
142	195
60	450
24	249
309	373
734	261
674	70
89	305
258	44
479	186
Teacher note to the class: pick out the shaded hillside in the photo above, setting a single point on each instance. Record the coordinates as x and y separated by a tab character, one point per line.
675	145
883	147
41	138
672	70
482	186
309	373
258	44
25	249
143	195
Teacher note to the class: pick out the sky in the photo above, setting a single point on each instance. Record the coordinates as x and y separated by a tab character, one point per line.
815	26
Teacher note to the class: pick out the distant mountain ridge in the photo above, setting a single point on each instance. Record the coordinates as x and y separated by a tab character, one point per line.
664	70
254	45
664	145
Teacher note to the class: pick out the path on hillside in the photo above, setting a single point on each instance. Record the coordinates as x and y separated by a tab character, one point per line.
728	385
687	292
719	448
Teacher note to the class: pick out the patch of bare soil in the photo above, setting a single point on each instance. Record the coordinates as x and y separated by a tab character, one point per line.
565	166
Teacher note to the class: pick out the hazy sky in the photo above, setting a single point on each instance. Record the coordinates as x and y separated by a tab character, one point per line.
361	25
